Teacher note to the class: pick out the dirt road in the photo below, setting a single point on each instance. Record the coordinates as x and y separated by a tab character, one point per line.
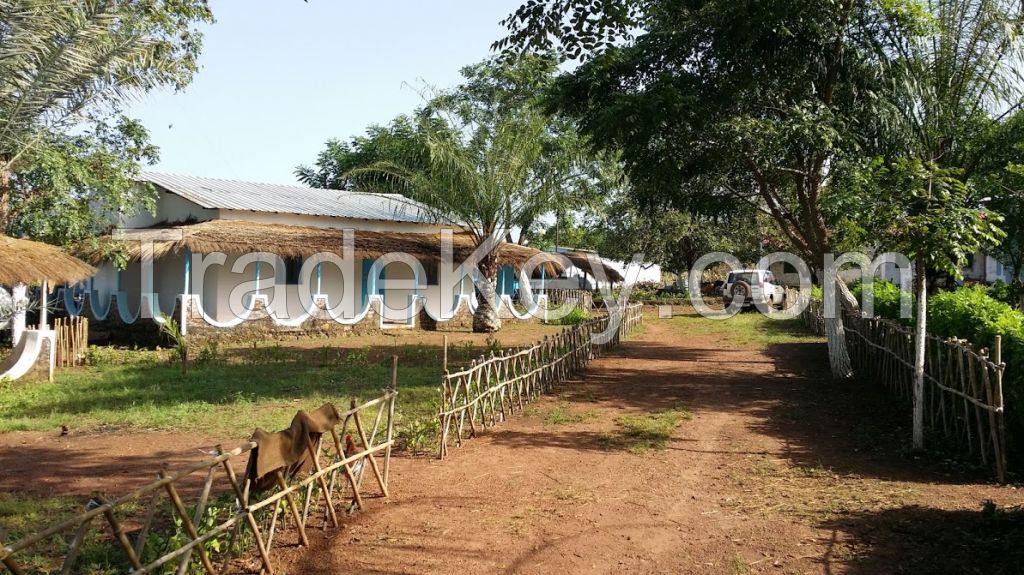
778	470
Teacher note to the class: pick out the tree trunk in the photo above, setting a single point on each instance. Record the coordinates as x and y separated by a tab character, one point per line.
486	319
920	338
838	355
835	332
5	197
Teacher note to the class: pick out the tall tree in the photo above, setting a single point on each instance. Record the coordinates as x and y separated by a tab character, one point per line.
568	173
402	138
675	240
955	75
933	216
66	69
486	156
1000	177
753	102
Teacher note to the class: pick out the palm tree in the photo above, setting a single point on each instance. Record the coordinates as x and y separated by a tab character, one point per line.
953	80
65	62
476	176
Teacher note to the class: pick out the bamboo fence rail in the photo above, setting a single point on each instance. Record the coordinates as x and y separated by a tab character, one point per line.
72	340
166	535
963	385
494	387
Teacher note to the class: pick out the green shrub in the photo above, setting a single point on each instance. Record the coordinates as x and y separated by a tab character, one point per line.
210	353
102	356
359	357
1004	292
970	313
643	291
817	293
179	343
886	295
575	317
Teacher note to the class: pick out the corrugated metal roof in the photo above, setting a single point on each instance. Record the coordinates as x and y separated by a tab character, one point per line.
215	193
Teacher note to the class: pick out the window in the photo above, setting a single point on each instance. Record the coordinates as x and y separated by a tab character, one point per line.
749	277
292	271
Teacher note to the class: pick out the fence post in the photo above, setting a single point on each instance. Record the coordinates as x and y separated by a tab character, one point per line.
393	390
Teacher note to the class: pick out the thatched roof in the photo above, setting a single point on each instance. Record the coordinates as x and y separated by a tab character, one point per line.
238	237
582	261
27	262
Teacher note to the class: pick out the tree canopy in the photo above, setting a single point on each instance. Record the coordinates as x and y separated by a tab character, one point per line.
777	105
566	177
67	69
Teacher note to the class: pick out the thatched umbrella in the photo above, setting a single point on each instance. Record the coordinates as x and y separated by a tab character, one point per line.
23	262
27	262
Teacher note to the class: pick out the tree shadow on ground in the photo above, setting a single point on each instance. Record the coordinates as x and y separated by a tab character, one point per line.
48	470
918	540
851	427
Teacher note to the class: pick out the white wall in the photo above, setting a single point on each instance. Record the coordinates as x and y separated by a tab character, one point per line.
170	208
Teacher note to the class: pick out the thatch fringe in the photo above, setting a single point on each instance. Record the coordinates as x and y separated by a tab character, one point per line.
28	262
582	261
237	237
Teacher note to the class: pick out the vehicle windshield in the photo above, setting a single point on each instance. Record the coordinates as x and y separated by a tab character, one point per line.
749	277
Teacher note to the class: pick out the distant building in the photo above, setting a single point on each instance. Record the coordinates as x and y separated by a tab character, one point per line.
226	253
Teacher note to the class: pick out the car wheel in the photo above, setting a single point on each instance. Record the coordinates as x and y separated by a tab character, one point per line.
739	290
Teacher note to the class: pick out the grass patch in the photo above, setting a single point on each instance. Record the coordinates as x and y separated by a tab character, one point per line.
563	414
573	318
22	515
220	399
644	433
748	329
739	566
232	390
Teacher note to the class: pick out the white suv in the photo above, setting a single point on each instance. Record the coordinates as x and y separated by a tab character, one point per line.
753	287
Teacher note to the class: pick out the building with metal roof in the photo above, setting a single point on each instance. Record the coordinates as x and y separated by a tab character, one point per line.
238	196
222	254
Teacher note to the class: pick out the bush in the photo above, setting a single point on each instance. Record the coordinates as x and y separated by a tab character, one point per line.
210	353
575	317
643	291
1004	292
970	313
887	298
101	356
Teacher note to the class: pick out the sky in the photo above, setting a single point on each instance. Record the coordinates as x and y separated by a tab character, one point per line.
279	78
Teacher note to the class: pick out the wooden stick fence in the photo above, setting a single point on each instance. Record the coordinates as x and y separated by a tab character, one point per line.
72	340
963	386
494	387
582	299
168	533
